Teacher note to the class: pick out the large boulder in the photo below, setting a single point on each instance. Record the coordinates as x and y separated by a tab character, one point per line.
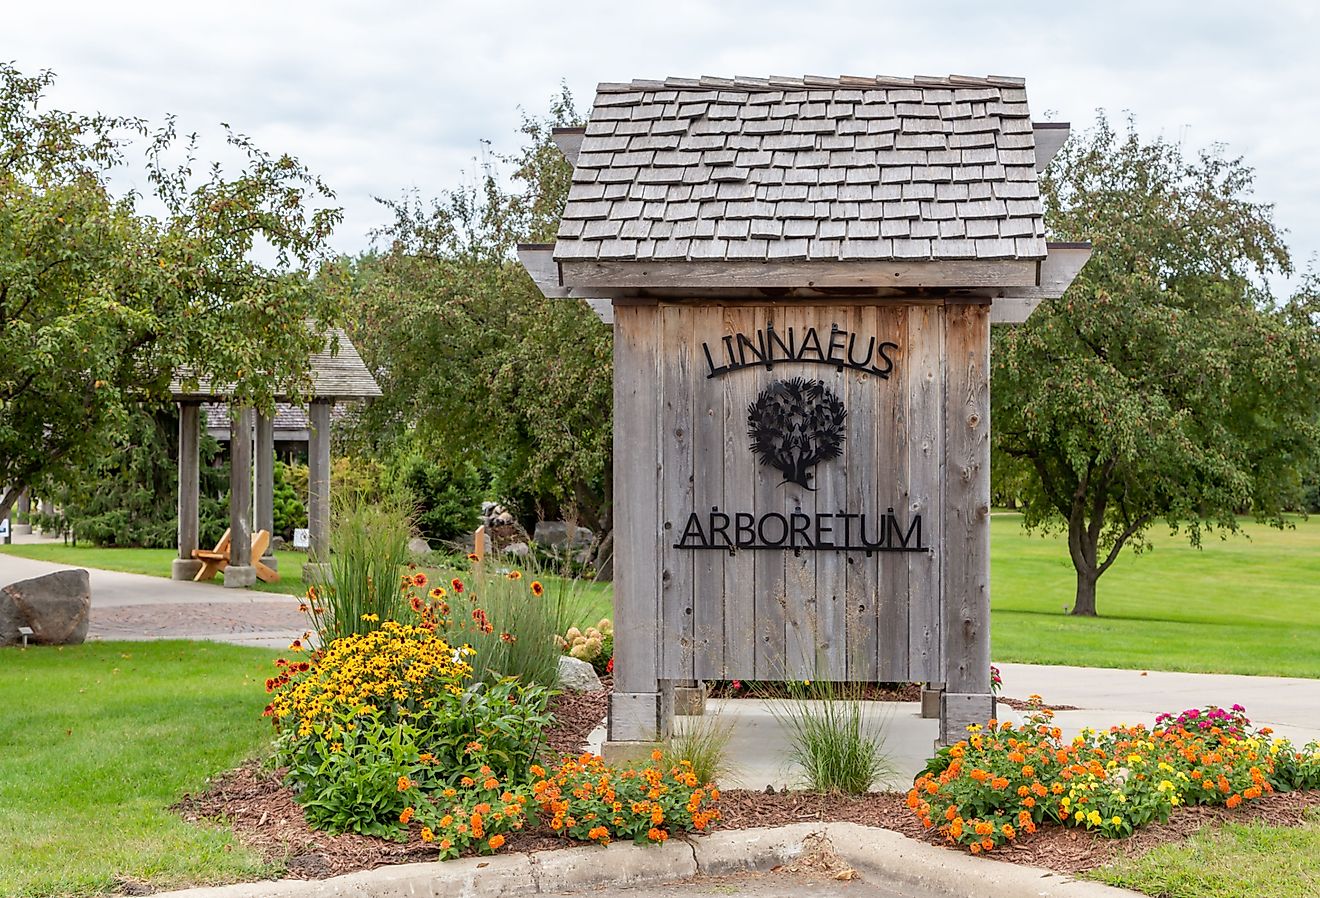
578	675
419	546
556	534
56	606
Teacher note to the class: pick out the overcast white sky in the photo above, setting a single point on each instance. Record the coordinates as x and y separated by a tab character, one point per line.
384	96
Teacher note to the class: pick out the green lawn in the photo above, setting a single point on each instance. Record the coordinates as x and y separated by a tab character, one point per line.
1241	605
1227	862
1249	604
99	740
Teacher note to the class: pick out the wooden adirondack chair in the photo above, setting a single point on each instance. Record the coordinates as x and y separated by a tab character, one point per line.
216	560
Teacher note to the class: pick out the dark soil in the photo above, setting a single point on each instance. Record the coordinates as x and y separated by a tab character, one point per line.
1018	704
871	692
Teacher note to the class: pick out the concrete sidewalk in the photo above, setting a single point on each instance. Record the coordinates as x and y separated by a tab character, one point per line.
135	606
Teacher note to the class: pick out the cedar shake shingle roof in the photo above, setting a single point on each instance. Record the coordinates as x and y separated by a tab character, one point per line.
831	169
337	371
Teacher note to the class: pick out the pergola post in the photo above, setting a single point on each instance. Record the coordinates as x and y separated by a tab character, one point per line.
24	527
265	484
317	568
240	571
185	567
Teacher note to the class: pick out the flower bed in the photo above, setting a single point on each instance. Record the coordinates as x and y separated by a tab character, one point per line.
1005	779
392	731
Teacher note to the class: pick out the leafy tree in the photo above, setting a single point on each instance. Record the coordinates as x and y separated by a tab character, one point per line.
1166	384
100	301
129	496
477	367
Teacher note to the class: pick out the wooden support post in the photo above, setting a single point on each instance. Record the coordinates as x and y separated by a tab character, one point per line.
264	499
240	573
689	698
185	567
966	584
636	714
317	568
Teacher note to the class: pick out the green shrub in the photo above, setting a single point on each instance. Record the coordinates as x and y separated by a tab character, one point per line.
838	749
448	501
378	714
290	512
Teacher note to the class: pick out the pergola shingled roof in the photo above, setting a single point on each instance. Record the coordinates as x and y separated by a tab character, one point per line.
337	372
817	169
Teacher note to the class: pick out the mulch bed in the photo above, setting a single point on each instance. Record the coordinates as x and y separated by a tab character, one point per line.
263	813
1018	704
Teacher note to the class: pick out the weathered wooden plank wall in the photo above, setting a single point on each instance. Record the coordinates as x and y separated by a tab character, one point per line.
767	613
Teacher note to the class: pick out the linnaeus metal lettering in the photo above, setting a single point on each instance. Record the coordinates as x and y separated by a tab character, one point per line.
768	347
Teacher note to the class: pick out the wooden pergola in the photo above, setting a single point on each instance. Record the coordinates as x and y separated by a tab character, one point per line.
338	375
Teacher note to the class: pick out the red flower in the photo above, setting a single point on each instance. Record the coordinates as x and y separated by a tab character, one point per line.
457	584
609	666
419	579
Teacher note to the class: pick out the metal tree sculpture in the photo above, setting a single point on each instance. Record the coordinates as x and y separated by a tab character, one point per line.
794	424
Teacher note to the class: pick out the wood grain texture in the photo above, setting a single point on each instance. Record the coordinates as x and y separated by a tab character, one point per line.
925	341
637	503
708	422
966	624
742	577
863	463
942	274
890	497
676	477
830	599
798	604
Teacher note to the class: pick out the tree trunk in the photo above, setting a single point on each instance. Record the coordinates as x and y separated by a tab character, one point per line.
1084	603
1083	547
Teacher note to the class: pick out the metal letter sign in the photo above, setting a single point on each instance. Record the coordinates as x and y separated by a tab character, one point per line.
795	425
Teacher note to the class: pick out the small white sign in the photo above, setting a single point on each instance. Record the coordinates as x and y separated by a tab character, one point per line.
302	538
4	527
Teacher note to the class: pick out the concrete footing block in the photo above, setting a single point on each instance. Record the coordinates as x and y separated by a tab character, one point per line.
184	568
958	710
690	701
930	700
238	576
622	752
750	850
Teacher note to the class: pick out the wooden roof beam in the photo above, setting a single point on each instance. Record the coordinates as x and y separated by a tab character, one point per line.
1050	136
1057	272
733	275
539	260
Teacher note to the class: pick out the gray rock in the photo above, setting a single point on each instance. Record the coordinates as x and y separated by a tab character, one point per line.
277	544
578	675
56	606
518	550
554	534
418	546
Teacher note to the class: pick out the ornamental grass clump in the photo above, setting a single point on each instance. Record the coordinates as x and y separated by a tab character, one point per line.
513	621
831	738
703	746
1005	779
369	547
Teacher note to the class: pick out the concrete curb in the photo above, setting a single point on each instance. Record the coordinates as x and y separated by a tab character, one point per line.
878	854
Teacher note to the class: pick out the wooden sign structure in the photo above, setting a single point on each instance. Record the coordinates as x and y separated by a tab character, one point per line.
801	275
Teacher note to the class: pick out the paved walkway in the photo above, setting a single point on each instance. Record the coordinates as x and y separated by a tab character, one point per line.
135	606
